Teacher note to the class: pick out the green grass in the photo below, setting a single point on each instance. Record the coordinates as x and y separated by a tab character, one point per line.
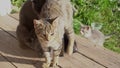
104	12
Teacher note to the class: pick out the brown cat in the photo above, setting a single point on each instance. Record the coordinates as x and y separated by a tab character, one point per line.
94	35
55	19
25	30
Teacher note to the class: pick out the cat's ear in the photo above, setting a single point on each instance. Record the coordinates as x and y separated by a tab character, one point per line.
37	22
88	27
54	21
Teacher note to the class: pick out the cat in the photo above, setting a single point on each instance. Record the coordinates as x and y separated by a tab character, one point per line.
68	15
25	30
55	19
94	35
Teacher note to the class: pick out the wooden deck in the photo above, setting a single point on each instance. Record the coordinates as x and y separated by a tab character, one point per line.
12	56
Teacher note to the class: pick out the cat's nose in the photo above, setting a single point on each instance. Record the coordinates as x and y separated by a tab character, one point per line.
82	32
47	38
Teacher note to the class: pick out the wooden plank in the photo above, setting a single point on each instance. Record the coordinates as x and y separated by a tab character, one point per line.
4	63
100	55
19	57
28	59
75	61
14	55
15	16
9	24
80	61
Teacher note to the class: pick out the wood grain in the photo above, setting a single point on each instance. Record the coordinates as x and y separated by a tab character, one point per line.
4	63
89	56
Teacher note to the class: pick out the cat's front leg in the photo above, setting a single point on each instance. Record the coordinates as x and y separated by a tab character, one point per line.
48	60
56	54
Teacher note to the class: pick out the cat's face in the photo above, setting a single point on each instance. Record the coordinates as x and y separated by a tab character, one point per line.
85	30
45	28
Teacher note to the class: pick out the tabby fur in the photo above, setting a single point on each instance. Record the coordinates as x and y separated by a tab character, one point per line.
55	19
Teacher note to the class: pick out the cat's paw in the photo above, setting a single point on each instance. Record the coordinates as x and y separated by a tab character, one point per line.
56	66
46	65
53	65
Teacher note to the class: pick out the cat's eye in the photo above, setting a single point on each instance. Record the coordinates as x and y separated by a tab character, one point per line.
52	33
44	35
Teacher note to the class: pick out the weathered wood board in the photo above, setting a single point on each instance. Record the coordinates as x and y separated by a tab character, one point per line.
100	55
89	56
4	63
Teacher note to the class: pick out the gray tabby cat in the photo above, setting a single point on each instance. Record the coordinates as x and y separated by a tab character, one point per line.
55	19
94	35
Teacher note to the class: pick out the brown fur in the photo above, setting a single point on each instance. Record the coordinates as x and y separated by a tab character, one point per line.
25	30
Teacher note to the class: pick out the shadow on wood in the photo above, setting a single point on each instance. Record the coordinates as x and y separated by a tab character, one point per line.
10	49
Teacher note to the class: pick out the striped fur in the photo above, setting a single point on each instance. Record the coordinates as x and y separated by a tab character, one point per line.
55	19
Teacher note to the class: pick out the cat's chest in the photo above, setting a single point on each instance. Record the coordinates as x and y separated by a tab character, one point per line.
54	44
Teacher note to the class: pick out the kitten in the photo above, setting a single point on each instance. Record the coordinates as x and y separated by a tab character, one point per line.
25	30
55	19
94	35
47	33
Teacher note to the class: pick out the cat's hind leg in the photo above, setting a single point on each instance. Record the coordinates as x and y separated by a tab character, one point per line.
70	34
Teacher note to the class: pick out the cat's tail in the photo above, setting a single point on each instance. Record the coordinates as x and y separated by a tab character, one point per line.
109	35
